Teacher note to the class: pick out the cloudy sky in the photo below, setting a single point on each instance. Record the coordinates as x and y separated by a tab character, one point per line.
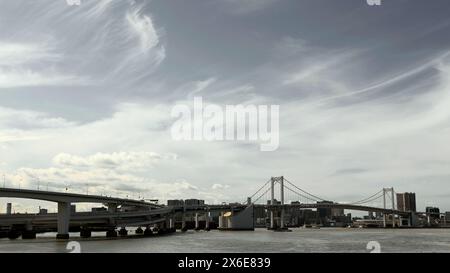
364	94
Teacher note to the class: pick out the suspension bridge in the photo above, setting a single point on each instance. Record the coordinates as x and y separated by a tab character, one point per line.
302	199
163	218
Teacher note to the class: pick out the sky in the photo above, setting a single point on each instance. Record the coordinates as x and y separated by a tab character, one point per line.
364	94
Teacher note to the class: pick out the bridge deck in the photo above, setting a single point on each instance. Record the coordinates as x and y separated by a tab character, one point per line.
71	197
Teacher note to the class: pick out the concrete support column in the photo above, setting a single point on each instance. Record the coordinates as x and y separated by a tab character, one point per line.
183	223
123	231
197	224
29	233
384	220
183	220
207	221
63	220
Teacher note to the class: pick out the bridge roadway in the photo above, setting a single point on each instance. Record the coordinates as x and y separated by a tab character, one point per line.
60	197
299	206
105	219
145	217
64	201
144	213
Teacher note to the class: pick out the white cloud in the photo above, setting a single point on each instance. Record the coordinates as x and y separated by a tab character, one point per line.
13	54
122	161
219	187
28	78
142	26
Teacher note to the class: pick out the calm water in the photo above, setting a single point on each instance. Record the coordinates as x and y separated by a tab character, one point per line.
261	240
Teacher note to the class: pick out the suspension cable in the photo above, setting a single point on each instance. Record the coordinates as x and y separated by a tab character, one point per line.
300	194
362	201
257	199
318	198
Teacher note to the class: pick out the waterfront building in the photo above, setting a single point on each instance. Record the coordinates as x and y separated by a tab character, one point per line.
406	201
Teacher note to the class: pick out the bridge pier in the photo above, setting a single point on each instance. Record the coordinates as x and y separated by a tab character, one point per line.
29	233
112	233
183	225
123	231
197	224
85	233
63	220
139	230
207	221
148	232
13	234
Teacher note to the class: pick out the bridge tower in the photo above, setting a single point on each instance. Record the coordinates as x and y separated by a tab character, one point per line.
386	191
273	181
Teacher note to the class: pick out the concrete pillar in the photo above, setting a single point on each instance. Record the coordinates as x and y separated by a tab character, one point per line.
123	231
148	232
197	224
28	233
139	230
63	220
384	220
183	224
112	233
172	222
207	221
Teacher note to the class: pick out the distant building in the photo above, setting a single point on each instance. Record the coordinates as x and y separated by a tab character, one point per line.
175	203
43	211
406	201
8	208
433	212
99	209
325	212
194	202
337	212
275	202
